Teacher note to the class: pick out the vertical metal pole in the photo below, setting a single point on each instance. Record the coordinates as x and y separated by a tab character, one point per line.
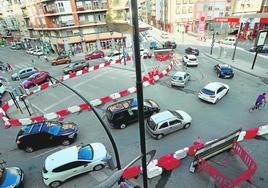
137	58
212	43
255	57
236	40
24	102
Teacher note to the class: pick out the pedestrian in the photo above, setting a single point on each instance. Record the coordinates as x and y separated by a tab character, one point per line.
9	67
197	141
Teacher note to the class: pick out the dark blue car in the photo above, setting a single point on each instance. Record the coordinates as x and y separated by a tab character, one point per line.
224	71
11	177
43	134
264	49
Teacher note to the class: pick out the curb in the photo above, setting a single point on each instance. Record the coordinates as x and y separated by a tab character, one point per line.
234	66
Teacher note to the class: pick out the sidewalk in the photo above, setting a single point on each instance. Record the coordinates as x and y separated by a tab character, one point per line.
260	69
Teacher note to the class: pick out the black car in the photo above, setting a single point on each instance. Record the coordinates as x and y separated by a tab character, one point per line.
43	134
224	71
191	50
123	113
11	177
170	44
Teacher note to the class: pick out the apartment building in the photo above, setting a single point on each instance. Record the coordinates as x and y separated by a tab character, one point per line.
12	26
70	25
242	7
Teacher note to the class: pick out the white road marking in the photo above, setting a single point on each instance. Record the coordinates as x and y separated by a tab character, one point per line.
45	152
57	103
18	66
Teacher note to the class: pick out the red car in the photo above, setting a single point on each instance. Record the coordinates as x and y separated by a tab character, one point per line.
94	55
35	79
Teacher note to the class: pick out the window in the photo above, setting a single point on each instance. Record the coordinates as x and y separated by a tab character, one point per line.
164	125
209	7
190	10
184	10
185	1
69	166
178	2
178	10
174	122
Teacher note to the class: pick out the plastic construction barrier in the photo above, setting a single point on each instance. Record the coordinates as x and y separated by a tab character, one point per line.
132	172
251	133
171	164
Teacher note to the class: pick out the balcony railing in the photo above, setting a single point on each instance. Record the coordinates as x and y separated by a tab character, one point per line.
91	8
60	25
51	11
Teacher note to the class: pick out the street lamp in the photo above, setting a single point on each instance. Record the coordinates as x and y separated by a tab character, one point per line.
118	164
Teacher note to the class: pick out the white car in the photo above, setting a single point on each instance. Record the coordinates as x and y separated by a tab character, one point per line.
180	79
114	56
38	53
228	41
167	122
73	161
190	60
164	35
213	92
30	51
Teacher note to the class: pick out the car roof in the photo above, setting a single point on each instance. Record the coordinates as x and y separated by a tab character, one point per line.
162	116
62	157
179	73
213	86
27	68
119	106
191	56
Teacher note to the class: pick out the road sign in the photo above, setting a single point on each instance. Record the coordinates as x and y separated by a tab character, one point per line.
261	38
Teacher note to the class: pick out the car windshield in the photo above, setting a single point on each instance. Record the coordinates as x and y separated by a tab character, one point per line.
151	124
207	91
177	77
147	103
71	65
192	59
85	152
176	114
226	69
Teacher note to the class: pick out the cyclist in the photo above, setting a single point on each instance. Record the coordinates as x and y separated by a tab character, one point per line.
260	99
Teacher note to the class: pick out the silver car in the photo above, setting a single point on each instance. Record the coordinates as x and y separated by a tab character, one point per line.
24	73
180	79
167	122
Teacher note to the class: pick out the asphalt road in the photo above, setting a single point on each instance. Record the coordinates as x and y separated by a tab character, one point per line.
209	121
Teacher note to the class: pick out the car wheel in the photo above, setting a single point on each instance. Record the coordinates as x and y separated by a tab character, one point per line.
55	184
160	136
53	64
98	167
29	149
123	126
187	125
227	91
216	101
69	72
219	75
66	142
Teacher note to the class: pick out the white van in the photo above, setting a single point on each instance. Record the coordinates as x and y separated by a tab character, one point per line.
228	41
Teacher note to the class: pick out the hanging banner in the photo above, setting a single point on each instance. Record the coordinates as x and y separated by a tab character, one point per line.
202	25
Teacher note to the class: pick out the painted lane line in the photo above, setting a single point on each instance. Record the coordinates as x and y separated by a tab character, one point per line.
46	152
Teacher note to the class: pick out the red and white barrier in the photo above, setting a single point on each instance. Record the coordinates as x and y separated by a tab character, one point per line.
60	114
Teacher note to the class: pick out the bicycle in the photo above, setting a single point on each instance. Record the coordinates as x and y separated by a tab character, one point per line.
259	106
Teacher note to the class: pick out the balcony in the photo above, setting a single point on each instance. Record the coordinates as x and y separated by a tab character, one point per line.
55	12
86	9
87	23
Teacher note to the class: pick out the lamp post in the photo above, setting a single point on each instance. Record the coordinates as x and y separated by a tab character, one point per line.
118	164
139	85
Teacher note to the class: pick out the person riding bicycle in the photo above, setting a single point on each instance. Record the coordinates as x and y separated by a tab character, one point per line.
260	99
